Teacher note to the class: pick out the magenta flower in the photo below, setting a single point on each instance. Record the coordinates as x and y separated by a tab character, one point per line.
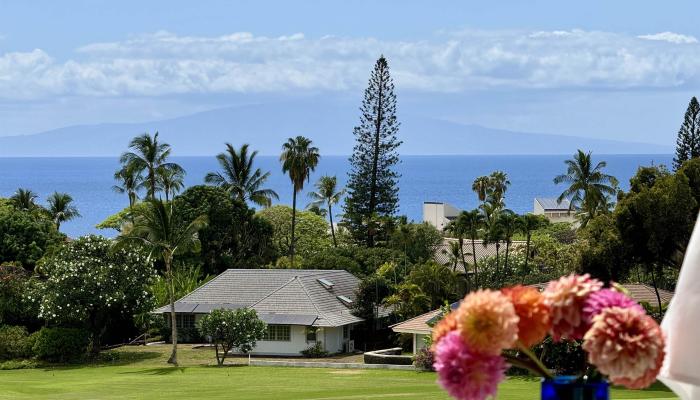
465	374
565	297
598	301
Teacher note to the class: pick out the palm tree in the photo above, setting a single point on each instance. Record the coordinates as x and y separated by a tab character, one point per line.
528	224
481	187
454	254
240	179
130	181
299	158
588	184
61	209
509	224
327	194
163	231
473	222
170	181
24	199
458	227
498	184
149	157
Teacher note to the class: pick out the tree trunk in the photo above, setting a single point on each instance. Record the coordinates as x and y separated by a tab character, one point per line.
330	217
476	269
507	251
375	164
527	251
219	361
152	181
294	221
173	318
656	288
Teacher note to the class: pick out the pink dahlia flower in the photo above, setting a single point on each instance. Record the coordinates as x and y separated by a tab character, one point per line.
566	297
626	345
487	321
606	298
465	374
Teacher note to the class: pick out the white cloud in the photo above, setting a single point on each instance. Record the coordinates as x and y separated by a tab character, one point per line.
163	63
670	37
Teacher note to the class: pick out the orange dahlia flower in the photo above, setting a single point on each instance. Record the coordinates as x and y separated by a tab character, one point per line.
487	322
446	325
533	313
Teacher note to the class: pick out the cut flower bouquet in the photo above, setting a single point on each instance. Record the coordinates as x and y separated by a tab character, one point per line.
621	341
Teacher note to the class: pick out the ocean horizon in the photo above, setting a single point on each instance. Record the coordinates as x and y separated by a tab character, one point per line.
445	178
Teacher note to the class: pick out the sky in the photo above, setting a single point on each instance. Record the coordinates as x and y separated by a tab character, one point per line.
619	69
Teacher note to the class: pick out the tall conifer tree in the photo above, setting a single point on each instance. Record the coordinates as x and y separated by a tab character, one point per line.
372	189
688	141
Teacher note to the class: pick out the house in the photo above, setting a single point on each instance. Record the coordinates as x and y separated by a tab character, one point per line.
300	307
422	326
439	214
555	211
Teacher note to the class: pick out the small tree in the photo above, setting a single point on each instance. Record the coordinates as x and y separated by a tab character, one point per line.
229	329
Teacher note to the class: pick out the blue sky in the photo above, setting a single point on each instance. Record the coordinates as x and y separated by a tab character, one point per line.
612	69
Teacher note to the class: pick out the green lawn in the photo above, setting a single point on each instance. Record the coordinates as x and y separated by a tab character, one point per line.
141	373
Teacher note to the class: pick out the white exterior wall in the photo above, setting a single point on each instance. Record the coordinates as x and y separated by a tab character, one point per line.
554	216
418	342
332	339
297	343
437	214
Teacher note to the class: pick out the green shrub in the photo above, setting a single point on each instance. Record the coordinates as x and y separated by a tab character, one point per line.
61	344
18	364
315	351
15	343
423	360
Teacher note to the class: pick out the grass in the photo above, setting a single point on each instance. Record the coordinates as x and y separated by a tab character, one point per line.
141	373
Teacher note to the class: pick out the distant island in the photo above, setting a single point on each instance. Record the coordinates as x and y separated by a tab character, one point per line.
330	124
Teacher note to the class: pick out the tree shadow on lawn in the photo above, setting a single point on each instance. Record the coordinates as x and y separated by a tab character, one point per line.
157	371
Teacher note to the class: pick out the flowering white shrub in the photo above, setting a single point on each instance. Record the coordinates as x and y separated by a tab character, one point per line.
89	283
232	329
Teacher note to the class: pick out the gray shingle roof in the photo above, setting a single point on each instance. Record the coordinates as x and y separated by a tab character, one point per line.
553	204
295	296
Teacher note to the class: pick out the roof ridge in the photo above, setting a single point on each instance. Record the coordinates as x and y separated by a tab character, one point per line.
312	300
416	317
273	292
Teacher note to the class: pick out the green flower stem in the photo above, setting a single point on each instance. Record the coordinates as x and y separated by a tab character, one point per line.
535	359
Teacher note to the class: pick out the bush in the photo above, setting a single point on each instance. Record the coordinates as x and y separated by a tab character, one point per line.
15	343
315	351
424	359
18	364
61	344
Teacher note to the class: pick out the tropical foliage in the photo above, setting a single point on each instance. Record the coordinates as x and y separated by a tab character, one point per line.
327	195
312	231
240	178
299	158
61	208
149	157
164	233
589	188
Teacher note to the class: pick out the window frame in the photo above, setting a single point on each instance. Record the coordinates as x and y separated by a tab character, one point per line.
277	333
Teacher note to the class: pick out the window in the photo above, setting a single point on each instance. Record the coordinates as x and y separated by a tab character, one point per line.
277	333
185	321
311	333
346	331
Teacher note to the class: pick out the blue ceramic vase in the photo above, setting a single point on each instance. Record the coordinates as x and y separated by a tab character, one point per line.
572	388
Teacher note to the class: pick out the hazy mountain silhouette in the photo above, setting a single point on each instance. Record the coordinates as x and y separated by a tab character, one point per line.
266	127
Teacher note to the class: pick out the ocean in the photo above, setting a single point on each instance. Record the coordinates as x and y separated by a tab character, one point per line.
424	178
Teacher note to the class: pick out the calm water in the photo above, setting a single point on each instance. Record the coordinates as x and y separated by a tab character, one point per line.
424	178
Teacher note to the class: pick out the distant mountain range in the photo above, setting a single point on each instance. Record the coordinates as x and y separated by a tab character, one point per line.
330	125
